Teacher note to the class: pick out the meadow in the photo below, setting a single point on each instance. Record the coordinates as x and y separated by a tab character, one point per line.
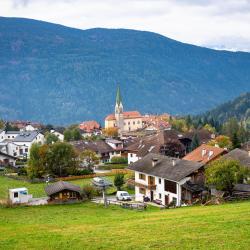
91	226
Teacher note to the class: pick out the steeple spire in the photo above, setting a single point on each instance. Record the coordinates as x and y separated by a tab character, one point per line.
118	95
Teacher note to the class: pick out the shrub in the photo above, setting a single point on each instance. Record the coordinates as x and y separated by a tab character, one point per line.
85	171
89	191
119	160
119	181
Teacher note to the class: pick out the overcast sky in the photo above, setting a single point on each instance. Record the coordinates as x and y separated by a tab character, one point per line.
211	23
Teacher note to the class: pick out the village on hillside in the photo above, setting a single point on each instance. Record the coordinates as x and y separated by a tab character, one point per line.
135	160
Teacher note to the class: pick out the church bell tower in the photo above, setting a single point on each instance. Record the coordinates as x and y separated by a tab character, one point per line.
119	111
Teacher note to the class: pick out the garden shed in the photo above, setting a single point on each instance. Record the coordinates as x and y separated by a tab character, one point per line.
62	191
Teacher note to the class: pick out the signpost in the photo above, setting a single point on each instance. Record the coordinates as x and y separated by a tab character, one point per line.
102	184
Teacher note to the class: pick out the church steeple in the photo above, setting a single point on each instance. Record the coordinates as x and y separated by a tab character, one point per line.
119	110
118	96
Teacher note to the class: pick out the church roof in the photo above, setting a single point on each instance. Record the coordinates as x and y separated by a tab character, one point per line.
126	115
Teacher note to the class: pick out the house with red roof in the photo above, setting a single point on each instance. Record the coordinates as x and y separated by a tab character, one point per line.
89	128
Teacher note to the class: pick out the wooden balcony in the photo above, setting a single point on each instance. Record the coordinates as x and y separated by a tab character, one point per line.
149	186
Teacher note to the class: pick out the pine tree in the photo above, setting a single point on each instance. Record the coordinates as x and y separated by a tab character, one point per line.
195	142
235	141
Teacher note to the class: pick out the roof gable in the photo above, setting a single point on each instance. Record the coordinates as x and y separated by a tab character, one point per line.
166	167
60	186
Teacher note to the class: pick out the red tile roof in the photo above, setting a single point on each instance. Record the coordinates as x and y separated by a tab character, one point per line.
126	115
205	154
89	126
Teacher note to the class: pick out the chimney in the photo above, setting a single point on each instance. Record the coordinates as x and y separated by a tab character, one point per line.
154	161
210	153
203	152
173	162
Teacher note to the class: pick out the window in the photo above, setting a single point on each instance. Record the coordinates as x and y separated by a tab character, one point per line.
170	186
72	195
131	155
159	180
142	177
142	191
138	122
174	200
15	194
134	122
26	150
128	123
159	196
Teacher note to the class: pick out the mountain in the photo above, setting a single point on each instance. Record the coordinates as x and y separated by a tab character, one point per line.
60	75
238	108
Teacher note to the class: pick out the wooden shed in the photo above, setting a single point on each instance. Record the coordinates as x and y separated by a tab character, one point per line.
63	192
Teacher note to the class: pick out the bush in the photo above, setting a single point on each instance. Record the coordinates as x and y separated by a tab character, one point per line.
22	171
89	191
112	166
119	160
119	181
85	171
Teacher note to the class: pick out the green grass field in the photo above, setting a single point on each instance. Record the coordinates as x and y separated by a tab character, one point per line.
91	226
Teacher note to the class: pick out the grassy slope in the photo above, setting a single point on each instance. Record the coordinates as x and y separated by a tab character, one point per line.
90	226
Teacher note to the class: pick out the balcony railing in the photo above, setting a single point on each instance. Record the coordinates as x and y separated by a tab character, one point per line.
148	186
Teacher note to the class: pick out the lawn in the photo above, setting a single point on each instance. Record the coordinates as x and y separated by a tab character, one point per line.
37	189
91	226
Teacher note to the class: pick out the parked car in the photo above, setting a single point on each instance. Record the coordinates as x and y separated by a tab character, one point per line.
123	196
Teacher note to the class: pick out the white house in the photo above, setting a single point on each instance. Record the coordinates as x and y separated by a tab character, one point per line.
167	179
58	134
8	135
25	140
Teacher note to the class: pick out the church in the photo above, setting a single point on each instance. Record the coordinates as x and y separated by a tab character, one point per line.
124	121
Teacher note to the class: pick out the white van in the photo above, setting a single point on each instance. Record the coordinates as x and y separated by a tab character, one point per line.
123	196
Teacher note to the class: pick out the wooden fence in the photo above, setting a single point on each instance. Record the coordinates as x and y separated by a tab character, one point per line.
111	173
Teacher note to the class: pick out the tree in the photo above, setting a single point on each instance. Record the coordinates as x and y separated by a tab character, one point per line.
231	127
1	124
110	132
188	122
179	124
195	142
119	181
222	141
37	161
67	135
209	128
51	138
9	127
235	141
62	159
90	158
173	148
224	174
72	134
75	134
